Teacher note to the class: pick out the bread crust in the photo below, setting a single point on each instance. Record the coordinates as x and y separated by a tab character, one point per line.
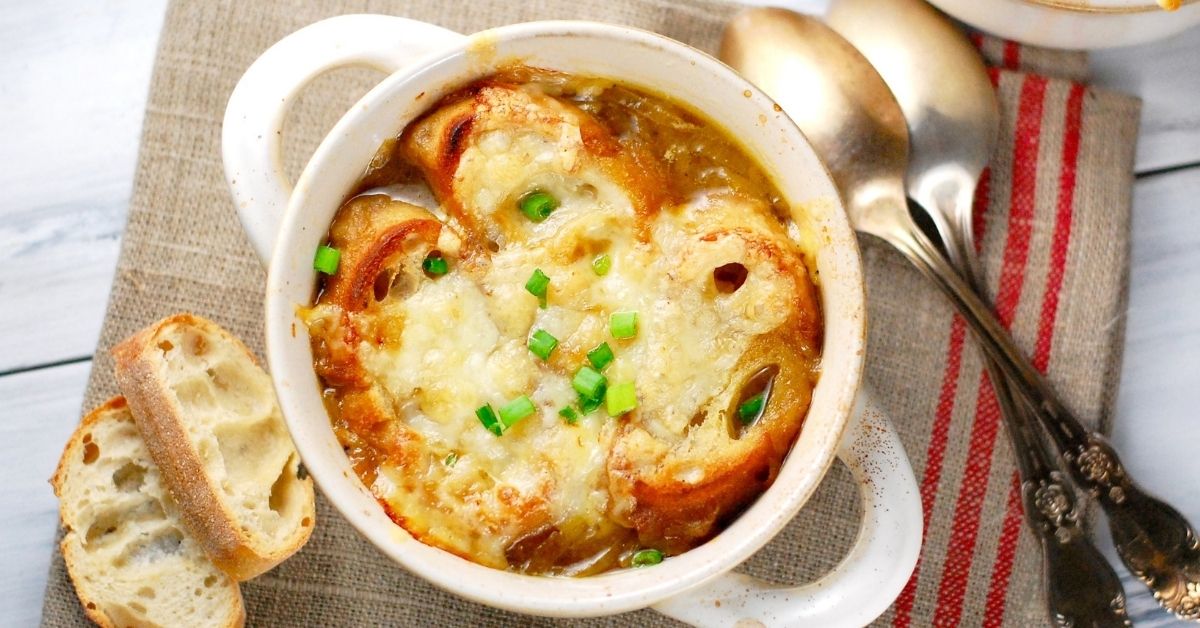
93	607
436	143
203	510
76	440
675	515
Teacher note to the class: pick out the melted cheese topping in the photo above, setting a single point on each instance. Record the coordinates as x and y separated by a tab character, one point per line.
548	495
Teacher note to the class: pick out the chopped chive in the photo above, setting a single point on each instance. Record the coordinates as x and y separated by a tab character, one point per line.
601	356
646	557
435	264
623	324
538	285
589	383
326	259
542	344
569	414
537	205
451	458
487	416
588	405
516	410
620	399
750	409
602	264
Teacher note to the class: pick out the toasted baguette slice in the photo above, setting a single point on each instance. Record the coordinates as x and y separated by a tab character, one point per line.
209	417
131	559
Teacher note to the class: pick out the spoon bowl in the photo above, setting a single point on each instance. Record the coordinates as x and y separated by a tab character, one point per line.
790	57
949	103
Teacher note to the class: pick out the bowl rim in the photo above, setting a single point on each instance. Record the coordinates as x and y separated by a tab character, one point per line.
1114	7
620	590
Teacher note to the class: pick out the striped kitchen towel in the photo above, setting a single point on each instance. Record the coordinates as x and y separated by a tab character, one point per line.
1054	239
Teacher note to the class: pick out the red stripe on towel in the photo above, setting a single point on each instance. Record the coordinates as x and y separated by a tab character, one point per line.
1062	228
1012	55
935	453
1010	532
934	456
961	549
1006	552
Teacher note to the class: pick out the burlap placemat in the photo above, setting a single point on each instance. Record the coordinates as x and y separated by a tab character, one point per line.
1054	217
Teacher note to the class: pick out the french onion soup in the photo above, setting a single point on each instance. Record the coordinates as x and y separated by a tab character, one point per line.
593	352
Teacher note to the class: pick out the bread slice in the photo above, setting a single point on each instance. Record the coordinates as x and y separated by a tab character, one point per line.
129	555
210	419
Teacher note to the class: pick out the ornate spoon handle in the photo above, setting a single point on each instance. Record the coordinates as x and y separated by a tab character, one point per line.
1153	539
1157	544
1081	587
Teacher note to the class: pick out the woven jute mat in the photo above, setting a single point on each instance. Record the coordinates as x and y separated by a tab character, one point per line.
1054	217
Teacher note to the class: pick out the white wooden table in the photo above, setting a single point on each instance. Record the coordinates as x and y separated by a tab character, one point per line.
73	83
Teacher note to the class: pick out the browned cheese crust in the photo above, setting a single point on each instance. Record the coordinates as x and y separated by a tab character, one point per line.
670	484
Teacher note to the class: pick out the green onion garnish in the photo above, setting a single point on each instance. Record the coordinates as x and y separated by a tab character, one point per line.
646	557
542	344
487	416
435	264
451	458
516	410
601	265
588	405
621	399
601	356
751	408
589	383
326	259
569	414
623	324
537	286
537	205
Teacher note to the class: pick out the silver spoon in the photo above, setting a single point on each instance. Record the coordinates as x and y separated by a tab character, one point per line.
953	118
833	93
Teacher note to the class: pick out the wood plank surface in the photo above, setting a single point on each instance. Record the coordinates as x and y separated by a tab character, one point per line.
40	410
1156	409
75	77
1166	75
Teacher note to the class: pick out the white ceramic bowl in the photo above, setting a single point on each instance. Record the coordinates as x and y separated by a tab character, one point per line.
1074	24
286	225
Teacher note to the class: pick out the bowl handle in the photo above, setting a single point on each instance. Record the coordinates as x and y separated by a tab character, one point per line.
866	582
252	133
